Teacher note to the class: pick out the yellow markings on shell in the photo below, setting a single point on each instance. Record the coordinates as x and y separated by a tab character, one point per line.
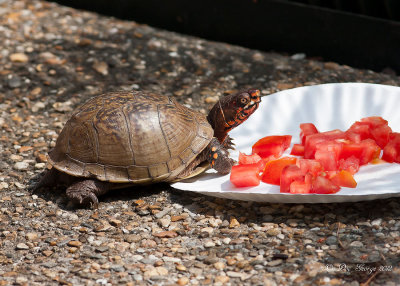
215	156
214	149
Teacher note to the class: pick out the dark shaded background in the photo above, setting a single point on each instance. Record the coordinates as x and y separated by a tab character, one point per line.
364	34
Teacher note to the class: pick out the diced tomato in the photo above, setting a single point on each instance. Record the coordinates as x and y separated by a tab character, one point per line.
307	129
344	179
327	153
272	146
362	129
351	164
373	127
391	152
248	159
374	121
312	140
322	185
381	135
310	166
329	174
351	149
366	151
245	175
327	159
371	151
353	137
252	159
297	150
298	187
273	170
290	173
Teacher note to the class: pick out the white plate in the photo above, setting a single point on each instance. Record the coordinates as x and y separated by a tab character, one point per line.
328	106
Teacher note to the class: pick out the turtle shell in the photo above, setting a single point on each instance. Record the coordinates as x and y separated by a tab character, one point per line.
130	137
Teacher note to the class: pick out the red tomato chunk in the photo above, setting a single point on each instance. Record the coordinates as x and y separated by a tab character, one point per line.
322	185
272	146
290	174
391	152
245	175
297	150
273	170
248	159
307	129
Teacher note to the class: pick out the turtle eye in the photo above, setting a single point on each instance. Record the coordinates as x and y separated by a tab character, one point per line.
244	100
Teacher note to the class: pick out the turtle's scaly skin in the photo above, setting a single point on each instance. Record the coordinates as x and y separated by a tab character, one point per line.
130	137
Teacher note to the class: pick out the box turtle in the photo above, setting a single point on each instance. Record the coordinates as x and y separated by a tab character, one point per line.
123	138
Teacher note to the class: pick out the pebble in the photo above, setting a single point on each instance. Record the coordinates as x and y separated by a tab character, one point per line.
356	244
63	106
38	106
275	262
219	265
40	165
211	99
330	240
162	213
241	275
164	222
183	281
376	222
221	279
208	230
21	280
331	66
233	223
273	231
22	246
101	68
171	259
3	185
226	240
167	234
209	243
180	267
299	56
19	58
21	166
32	236
14	82
74	243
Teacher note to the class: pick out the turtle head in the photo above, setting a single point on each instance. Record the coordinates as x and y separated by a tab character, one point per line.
230	111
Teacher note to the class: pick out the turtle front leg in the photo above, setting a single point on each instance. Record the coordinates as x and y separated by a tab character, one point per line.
218	157
86	192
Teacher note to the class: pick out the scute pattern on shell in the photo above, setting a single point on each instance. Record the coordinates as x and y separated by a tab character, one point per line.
130	137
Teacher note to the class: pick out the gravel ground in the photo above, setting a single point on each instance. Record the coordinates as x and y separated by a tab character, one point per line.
53	58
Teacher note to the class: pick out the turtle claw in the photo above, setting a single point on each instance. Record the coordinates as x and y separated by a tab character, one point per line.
94	201
228	143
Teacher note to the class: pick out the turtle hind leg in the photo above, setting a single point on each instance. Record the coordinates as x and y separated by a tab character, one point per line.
86	192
